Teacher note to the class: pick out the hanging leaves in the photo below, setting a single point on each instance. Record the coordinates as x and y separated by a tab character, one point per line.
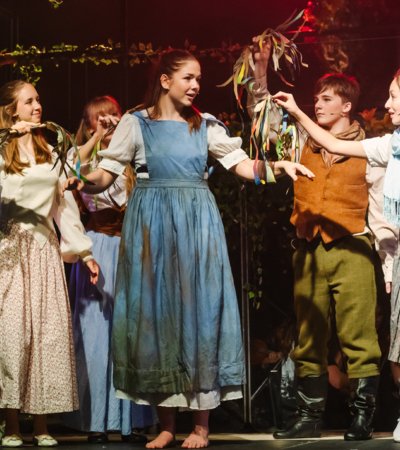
141	53
29	61
64	141
56	3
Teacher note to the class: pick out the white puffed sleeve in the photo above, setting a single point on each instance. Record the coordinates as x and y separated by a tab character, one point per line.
123	145
378	150
227	150
385	235
74	243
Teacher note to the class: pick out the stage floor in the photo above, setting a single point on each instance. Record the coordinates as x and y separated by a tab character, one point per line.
257	441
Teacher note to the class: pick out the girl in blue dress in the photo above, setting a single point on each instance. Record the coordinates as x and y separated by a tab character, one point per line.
100	410
176	334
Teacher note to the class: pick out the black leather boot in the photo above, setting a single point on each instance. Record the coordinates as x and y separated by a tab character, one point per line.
311	399
362	406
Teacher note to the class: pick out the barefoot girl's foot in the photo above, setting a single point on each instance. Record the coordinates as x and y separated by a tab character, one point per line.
164	440
196	439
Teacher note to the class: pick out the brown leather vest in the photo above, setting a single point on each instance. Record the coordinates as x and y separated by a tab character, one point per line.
335	202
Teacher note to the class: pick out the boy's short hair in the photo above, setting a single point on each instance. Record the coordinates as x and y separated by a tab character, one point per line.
345	86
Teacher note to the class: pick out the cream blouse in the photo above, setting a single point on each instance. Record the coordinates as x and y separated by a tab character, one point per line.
33	199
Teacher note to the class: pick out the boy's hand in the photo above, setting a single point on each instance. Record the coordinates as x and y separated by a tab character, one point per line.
287	101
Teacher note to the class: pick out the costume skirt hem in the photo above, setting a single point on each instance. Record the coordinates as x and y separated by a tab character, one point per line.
187	400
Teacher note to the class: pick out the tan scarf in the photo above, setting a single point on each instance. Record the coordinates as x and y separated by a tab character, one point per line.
354	133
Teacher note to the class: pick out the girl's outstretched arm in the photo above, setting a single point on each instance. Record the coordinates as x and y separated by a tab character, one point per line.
245	169
326	139
101	178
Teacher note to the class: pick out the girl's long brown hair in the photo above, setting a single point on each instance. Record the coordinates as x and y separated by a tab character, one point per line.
168	63
8	106
104	104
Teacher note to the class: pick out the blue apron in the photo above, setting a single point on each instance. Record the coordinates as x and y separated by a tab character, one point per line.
176	324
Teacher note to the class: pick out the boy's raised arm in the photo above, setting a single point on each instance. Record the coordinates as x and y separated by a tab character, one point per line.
326	139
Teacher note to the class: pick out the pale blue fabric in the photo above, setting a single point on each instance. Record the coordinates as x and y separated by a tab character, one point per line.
176	321
100	410
391	187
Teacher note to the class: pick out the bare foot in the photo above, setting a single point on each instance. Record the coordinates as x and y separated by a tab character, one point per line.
196	439
162	440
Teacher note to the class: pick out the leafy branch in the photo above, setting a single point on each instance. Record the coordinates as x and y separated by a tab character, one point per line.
56	3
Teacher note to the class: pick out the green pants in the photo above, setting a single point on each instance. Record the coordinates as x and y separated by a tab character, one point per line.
341	273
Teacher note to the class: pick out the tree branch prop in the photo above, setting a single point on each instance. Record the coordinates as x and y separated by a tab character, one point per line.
243	76
243	69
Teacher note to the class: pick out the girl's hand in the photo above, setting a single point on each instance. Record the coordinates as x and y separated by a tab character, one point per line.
22	127
293	169
106	125
72	183
94	270
287	101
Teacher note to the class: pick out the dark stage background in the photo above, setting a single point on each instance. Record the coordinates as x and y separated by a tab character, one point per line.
373	44
206	23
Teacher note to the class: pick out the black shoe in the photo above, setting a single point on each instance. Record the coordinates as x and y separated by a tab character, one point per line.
362	406
360	429
310	398
300	429
97	438
134	437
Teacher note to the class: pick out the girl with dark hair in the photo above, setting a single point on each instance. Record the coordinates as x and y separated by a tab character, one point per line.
100	410
176	333
37	363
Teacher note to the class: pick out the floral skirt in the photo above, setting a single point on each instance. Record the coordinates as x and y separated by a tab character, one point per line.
37	361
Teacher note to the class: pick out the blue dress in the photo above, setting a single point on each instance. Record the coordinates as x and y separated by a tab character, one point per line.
176	321
99	408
